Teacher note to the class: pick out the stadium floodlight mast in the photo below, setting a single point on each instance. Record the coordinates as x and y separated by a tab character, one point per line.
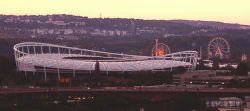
50	58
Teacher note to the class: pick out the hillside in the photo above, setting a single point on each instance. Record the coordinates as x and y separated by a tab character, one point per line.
213	24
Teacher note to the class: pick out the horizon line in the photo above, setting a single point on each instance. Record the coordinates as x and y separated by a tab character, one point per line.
125	18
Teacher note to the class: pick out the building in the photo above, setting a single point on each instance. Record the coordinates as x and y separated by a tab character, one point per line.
206	78
45	59
226	104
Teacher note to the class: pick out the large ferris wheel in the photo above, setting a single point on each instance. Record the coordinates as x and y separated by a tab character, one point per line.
218	47
160	49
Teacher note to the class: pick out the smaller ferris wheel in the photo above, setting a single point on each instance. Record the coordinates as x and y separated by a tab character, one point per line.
160	49
218	47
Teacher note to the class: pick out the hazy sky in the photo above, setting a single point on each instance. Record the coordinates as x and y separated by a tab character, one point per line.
232	11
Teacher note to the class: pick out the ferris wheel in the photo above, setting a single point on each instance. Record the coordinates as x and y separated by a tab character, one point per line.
218	47
160	49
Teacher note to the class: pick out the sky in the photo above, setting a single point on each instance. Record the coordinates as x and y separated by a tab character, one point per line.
230	11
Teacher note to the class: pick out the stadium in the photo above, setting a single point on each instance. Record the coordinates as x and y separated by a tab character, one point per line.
44	58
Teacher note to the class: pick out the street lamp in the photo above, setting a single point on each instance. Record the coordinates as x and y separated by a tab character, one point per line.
222	84
206	84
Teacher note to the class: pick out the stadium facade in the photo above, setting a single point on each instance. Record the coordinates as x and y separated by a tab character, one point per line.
49	58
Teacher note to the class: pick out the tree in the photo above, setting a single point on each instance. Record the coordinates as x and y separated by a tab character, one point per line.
216	63
7	66
242	69
181	70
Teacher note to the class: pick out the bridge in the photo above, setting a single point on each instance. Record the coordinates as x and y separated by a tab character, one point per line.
106	90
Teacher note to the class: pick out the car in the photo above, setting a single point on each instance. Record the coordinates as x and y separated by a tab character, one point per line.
31	87
221	88
5	86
